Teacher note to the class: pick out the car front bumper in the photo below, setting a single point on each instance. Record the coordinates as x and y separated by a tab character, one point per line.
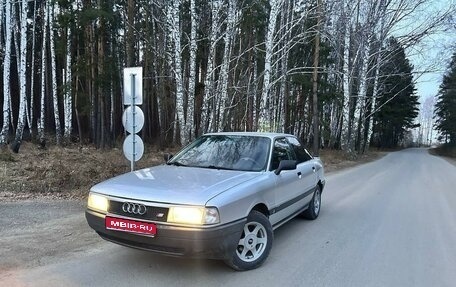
212	243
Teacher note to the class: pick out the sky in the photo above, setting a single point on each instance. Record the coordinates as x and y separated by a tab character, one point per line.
433	54
432	59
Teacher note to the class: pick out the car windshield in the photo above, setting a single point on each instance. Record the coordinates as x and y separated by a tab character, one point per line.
228	152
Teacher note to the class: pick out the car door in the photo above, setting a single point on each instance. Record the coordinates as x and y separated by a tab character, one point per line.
290	185
306	167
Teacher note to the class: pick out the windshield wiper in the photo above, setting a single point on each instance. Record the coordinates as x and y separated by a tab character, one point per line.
217	167
176	163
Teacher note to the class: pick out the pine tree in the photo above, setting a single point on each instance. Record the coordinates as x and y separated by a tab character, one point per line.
398	103
445	108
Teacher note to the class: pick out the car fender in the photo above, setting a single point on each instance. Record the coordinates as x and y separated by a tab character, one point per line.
237	202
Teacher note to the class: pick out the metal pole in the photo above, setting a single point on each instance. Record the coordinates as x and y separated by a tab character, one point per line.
133	132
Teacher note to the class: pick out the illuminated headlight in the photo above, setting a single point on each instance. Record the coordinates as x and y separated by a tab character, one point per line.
98	202
193	215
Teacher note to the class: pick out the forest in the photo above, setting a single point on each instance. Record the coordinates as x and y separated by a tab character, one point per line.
333	72
445	106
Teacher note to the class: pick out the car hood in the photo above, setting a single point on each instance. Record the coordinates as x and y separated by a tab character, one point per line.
173	184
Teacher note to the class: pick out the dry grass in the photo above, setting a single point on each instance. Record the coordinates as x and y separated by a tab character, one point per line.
66	172
444	150
336	159
69	172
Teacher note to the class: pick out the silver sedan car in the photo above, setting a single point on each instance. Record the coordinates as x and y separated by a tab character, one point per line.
221	197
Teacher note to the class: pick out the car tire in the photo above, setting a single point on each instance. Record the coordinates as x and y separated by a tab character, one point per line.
254	245
314	208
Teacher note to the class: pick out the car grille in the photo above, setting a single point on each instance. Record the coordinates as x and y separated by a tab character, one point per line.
153	213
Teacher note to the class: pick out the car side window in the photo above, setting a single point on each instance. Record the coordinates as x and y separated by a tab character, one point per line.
302	154
281	151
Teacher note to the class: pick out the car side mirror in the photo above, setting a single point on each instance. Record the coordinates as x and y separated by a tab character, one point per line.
167	157
286	164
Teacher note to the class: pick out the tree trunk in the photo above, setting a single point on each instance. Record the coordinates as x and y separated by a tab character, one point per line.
9	18
21	120
264	116
40	124
210	72
223	80
376	77
101	71
316	118
32	74
192	80
282	110
180	134
346	129
360	103
58	130
130	39
67	101
253	108
2	4
76	94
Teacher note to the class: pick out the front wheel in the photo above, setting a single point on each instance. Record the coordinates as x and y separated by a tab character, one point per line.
255	243
313	210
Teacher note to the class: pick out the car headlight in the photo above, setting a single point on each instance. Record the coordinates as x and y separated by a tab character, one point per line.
193	215
98	202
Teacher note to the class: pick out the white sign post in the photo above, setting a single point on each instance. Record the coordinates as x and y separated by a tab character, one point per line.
127	119
132	79
133	117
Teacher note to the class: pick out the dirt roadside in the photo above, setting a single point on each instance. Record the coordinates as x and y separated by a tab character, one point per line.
39	227
40	231
447	154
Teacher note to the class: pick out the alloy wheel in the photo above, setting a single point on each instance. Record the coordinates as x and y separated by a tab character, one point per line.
253	242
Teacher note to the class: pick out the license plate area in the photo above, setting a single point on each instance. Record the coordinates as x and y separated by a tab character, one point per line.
131	226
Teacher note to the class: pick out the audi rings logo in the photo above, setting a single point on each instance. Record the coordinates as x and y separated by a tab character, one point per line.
134	208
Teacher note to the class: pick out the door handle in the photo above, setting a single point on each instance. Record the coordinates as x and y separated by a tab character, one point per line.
313	168
299	174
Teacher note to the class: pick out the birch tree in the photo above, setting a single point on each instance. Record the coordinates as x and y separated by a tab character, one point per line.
45	27
426	121
9	18
58	130
208	65
192	80
385	17
365	56
21	120
346	121
223	103
30	107
281	105
275	8
381	37
173	17
2	4
210	71
67	100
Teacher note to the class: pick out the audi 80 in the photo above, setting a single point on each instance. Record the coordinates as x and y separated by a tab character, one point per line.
221	197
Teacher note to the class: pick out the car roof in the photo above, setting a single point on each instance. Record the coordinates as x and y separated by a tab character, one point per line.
255	134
